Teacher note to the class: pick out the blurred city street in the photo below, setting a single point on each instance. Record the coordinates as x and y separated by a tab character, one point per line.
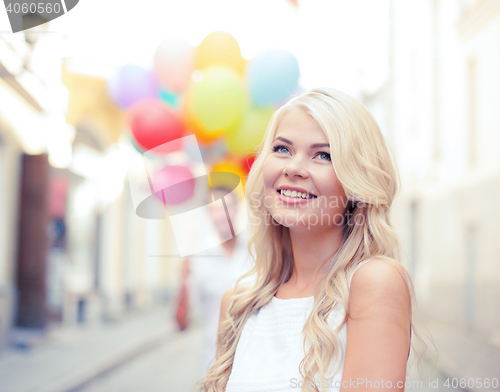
170	367
147	353
144	353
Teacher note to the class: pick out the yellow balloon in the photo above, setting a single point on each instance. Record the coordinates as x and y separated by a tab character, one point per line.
219	48
219	99
231	167
251	131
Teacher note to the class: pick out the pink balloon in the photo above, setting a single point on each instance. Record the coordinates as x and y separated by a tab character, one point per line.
177	183
174	63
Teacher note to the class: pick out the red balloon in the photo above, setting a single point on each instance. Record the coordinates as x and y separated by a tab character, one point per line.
153	123
248	162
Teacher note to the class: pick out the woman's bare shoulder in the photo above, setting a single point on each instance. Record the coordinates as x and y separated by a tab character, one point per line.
379	285
380	268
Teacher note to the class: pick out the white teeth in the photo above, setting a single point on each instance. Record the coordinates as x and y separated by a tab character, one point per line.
300	195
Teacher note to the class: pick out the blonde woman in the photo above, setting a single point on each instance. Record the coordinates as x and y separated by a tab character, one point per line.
319	197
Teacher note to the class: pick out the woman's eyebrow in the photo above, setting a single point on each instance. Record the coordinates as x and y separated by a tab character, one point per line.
285	140
317	145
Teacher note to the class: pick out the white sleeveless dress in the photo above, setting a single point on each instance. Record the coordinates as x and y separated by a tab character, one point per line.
270	348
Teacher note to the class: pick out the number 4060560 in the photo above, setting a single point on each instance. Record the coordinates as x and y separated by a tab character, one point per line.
471	382
41	8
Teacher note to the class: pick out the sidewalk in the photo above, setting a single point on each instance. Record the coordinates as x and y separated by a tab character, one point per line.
69	358
462	356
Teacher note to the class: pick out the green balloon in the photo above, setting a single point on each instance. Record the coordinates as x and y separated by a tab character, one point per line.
251	131
219	99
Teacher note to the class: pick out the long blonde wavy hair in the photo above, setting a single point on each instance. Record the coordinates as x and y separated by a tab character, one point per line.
369	176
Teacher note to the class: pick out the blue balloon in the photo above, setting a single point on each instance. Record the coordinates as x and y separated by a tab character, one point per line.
272	77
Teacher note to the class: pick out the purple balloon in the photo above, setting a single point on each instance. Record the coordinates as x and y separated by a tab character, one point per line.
130	84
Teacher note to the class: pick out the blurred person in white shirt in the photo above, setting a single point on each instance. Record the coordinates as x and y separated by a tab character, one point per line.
210	273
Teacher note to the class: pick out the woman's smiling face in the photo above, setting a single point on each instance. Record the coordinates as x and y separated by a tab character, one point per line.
300	158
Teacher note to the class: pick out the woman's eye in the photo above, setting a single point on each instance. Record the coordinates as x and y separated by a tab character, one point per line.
326	155
280	148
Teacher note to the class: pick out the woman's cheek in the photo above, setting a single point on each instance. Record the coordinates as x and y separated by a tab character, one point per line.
270	173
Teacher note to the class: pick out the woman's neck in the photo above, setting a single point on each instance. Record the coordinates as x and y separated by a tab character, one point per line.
312	248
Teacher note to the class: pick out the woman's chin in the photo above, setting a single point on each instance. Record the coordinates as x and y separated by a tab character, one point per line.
308	221
290	220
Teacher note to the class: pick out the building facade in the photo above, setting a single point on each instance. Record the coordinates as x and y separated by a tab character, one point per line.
439	110
72	249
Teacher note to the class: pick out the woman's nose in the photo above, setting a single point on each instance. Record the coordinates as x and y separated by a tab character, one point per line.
295	167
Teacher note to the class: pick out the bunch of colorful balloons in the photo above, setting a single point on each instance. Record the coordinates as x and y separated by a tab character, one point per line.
210	91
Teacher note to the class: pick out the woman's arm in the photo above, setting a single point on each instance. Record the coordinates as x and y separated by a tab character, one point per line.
378	328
